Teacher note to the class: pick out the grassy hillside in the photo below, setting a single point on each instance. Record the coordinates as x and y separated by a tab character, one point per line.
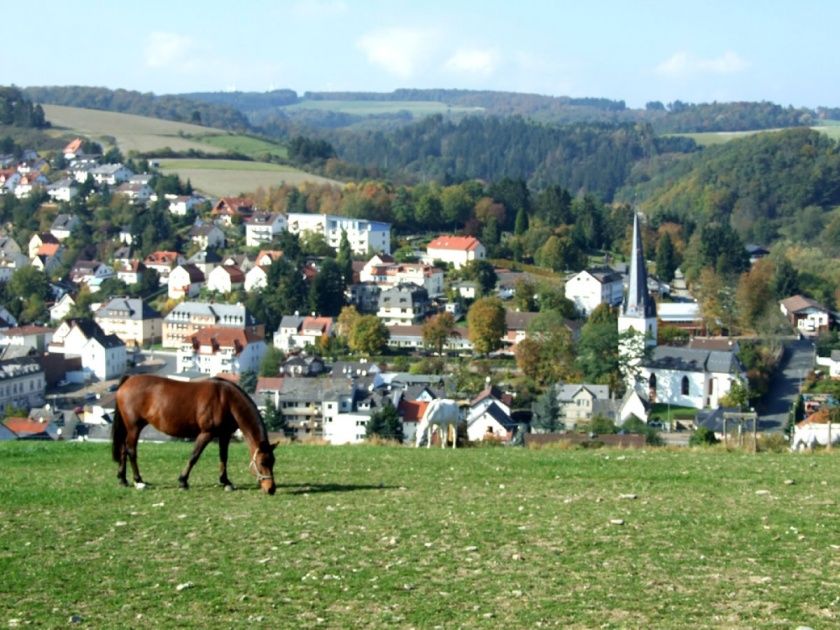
230	177
372	537
829	128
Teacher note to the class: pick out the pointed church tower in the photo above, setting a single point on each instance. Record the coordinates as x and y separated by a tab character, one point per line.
638	312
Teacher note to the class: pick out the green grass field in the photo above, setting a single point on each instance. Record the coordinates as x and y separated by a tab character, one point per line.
369	108
247	145
231	177
370	536
829	128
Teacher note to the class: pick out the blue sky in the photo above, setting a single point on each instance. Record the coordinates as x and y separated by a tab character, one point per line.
632	50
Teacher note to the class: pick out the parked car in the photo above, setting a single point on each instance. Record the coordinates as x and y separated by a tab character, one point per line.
62	383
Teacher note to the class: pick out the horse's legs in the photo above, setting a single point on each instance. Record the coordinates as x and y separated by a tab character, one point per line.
130	449
121	469
454	436
201	441
224	442
429	435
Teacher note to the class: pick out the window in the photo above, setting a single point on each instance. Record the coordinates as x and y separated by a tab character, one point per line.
684	386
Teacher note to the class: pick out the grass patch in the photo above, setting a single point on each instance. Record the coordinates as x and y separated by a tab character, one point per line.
371	536
247	145
709	138
231	177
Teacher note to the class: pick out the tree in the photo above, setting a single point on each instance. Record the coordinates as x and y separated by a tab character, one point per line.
785	280
521	223
273	417
248	381
717	306
486	323
754	295
666	258
368	336
482	272
271	361
344	258
326	291
597	351
386	424
437	330
737	396
524	296
546	412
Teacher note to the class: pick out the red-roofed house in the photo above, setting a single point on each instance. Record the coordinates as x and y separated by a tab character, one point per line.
227	208
29	429
217	349
163	262
225	278
457	250
808	316
73	148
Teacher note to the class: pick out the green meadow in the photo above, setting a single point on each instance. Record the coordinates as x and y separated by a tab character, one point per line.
376	536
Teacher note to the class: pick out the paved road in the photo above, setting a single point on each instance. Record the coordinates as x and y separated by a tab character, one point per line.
798	360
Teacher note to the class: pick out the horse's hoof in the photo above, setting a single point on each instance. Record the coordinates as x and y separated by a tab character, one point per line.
229	487
123	483
183	486
139	485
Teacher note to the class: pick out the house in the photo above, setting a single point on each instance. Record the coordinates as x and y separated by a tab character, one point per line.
104	356
64	305
634	404
756	252
130	272
296	332
29	182
132	320
206	260
265	257
243	261
807	316
364	296
63	225
411	337
354	369
228	209
48	257
63	190
581	402
312	406
403	305
262	227
256	278
364	236
31	429
689	377
683	315
226	278
185	281
832	362
592	287
39	239
38	337
491	423
455	250
179	205
126	235
390	274
85	271
110	174
207	235
216	349
72	334
74	148
411	412
163	262
488	396
22	383
303	365
136	192
189	317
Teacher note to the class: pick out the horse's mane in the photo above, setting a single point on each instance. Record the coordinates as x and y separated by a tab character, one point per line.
263	432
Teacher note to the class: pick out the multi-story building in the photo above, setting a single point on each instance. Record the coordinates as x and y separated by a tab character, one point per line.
364	236
590	288
403	305
215	350
188	318
456	250
22	383
130	319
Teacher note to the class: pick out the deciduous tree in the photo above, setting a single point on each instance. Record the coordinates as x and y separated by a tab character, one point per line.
368	336
486	322
437	331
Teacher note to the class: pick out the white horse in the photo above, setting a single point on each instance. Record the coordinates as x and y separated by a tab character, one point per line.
441	414
809	436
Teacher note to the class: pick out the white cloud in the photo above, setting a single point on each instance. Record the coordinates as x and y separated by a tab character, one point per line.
473	61
166	50
400	51
682	64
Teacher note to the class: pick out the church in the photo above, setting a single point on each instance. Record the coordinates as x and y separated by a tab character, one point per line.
698	375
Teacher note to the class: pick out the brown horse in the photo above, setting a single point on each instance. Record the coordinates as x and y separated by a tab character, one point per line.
203	410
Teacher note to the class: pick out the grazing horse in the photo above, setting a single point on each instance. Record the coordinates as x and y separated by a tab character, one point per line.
202	410
441	414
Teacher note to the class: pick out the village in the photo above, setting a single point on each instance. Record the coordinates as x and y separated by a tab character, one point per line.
304	370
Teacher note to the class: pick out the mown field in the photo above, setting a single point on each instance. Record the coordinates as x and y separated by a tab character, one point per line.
231	177
371	536
830	128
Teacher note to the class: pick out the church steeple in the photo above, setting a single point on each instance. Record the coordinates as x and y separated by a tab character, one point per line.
637	302
638	311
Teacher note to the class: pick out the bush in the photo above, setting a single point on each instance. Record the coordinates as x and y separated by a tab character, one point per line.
773	443
702	437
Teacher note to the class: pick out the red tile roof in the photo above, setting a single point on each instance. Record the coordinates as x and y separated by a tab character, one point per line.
217	337
459	243
412	410
25	426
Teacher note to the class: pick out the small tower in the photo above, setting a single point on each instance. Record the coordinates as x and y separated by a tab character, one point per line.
638	311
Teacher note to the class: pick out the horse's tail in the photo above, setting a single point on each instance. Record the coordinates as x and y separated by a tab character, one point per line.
118	430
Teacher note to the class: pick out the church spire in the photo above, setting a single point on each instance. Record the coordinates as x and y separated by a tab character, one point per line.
637	302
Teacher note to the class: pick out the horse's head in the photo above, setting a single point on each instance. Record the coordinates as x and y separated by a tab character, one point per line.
262	465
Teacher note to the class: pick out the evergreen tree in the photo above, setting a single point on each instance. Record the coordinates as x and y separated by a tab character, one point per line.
666	258
248	381
546	412
344	259
521	224
786	280
386	424
273	417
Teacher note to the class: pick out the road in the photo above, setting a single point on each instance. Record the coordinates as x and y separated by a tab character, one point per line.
798	360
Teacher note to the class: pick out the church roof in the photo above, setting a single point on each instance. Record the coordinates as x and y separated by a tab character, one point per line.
637	302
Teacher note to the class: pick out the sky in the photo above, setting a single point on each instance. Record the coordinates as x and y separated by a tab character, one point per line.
631	50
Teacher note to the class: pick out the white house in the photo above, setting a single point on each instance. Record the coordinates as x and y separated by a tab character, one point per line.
388	274
832	362
104	356
315	406
62	190
163	262
22	383
456	250
403	305
581	402
63	225
225	278
256	278
179	205
110	174
807	316
296	332
64	305
214	350
262	227
364	236
592	287
135	192
207	235
185	281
